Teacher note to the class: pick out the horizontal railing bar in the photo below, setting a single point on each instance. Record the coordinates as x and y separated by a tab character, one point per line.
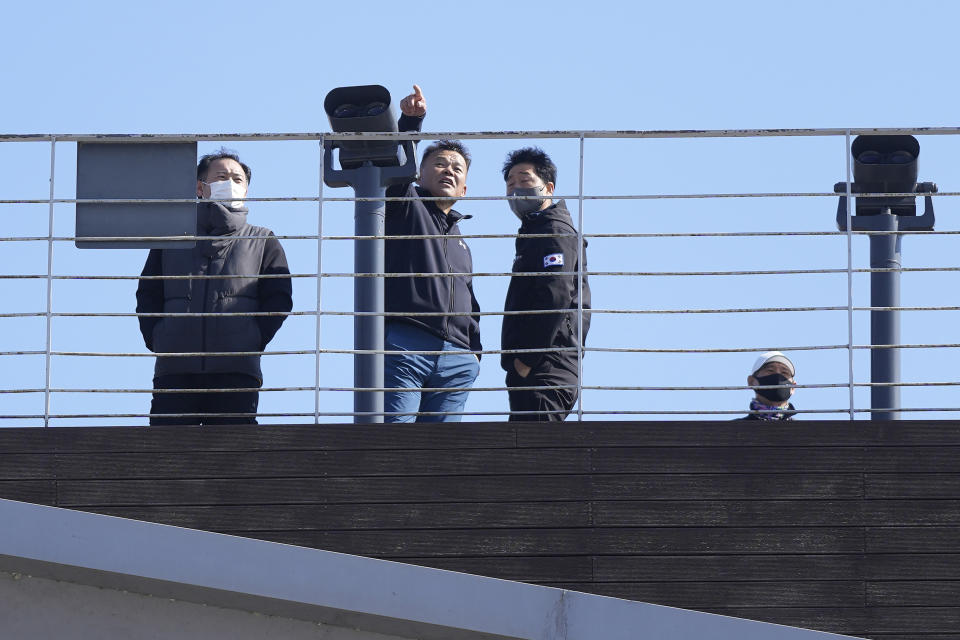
256	314
489	274
436	314
66	390
475	135
781	348
836	385
117	354
720	412
769	310
831	385
493	236
197	354
742	411
650	196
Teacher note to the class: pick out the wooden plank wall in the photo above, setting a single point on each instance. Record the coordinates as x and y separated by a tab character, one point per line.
845	527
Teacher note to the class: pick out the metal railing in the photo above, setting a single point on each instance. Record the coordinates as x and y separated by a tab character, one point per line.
602	374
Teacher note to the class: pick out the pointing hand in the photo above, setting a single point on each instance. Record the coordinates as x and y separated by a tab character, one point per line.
414	104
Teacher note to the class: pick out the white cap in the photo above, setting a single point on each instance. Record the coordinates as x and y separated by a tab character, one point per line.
772	356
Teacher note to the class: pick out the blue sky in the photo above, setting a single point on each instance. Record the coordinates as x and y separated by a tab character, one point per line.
176	67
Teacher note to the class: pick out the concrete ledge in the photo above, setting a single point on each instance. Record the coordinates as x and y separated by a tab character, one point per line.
333	589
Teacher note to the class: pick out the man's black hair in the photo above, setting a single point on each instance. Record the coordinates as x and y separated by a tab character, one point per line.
447	145
205	161
542	164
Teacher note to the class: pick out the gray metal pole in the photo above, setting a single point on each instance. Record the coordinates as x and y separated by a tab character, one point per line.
368	257
885	325
369	181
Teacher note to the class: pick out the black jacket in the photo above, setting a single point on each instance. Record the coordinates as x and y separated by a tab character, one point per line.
559	255
256	252
453	294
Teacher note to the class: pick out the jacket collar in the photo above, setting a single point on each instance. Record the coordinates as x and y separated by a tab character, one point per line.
214	219
445	220
556	211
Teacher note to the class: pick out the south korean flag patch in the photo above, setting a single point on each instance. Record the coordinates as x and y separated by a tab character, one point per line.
553	260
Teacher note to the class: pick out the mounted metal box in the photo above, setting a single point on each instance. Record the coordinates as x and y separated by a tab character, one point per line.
136	171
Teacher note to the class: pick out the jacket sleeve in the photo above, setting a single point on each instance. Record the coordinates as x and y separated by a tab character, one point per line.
150	295
275	294
548	292
475	344
405	123
409	123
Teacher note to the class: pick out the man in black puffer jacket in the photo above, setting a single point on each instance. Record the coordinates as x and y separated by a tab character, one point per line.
238	253
553	368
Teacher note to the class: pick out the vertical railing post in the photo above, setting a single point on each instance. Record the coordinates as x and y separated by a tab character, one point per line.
316	355
49	315
580	288
849	165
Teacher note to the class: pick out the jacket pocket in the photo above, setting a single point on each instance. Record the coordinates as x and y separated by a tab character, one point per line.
234	332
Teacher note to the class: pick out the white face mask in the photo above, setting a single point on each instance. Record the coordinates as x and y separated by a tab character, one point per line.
224	189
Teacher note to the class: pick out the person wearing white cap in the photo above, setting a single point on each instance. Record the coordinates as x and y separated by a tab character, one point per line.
772	379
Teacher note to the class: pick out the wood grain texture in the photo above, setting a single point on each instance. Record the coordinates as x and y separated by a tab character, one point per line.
525	542
700	595
914	566
900	619
333	517
35	491
911	485
845	527
728	568
719	486
314	490
282	438
914	593
696	434
537	569
781	459
322	463
728	513
917	539
26	466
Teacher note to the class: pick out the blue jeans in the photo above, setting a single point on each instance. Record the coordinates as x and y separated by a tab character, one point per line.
458	369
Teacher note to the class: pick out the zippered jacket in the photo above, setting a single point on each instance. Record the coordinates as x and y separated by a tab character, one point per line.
241	253
452	294
560	257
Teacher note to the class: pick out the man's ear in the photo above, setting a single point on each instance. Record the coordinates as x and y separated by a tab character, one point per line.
549	187
752	382
200	187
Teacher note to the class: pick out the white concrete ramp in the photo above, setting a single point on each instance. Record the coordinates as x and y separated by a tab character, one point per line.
70	574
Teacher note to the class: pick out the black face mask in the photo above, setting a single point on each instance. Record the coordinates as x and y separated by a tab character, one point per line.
774	395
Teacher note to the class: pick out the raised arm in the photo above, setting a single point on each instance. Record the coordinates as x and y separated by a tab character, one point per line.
413	110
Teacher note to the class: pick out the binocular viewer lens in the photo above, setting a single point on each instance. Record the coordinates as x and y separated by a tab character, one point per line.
893	157
359	111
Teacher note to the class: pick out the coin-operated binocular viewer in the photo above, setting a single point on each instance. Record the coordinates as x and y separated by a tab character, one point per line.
369	166
885	164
